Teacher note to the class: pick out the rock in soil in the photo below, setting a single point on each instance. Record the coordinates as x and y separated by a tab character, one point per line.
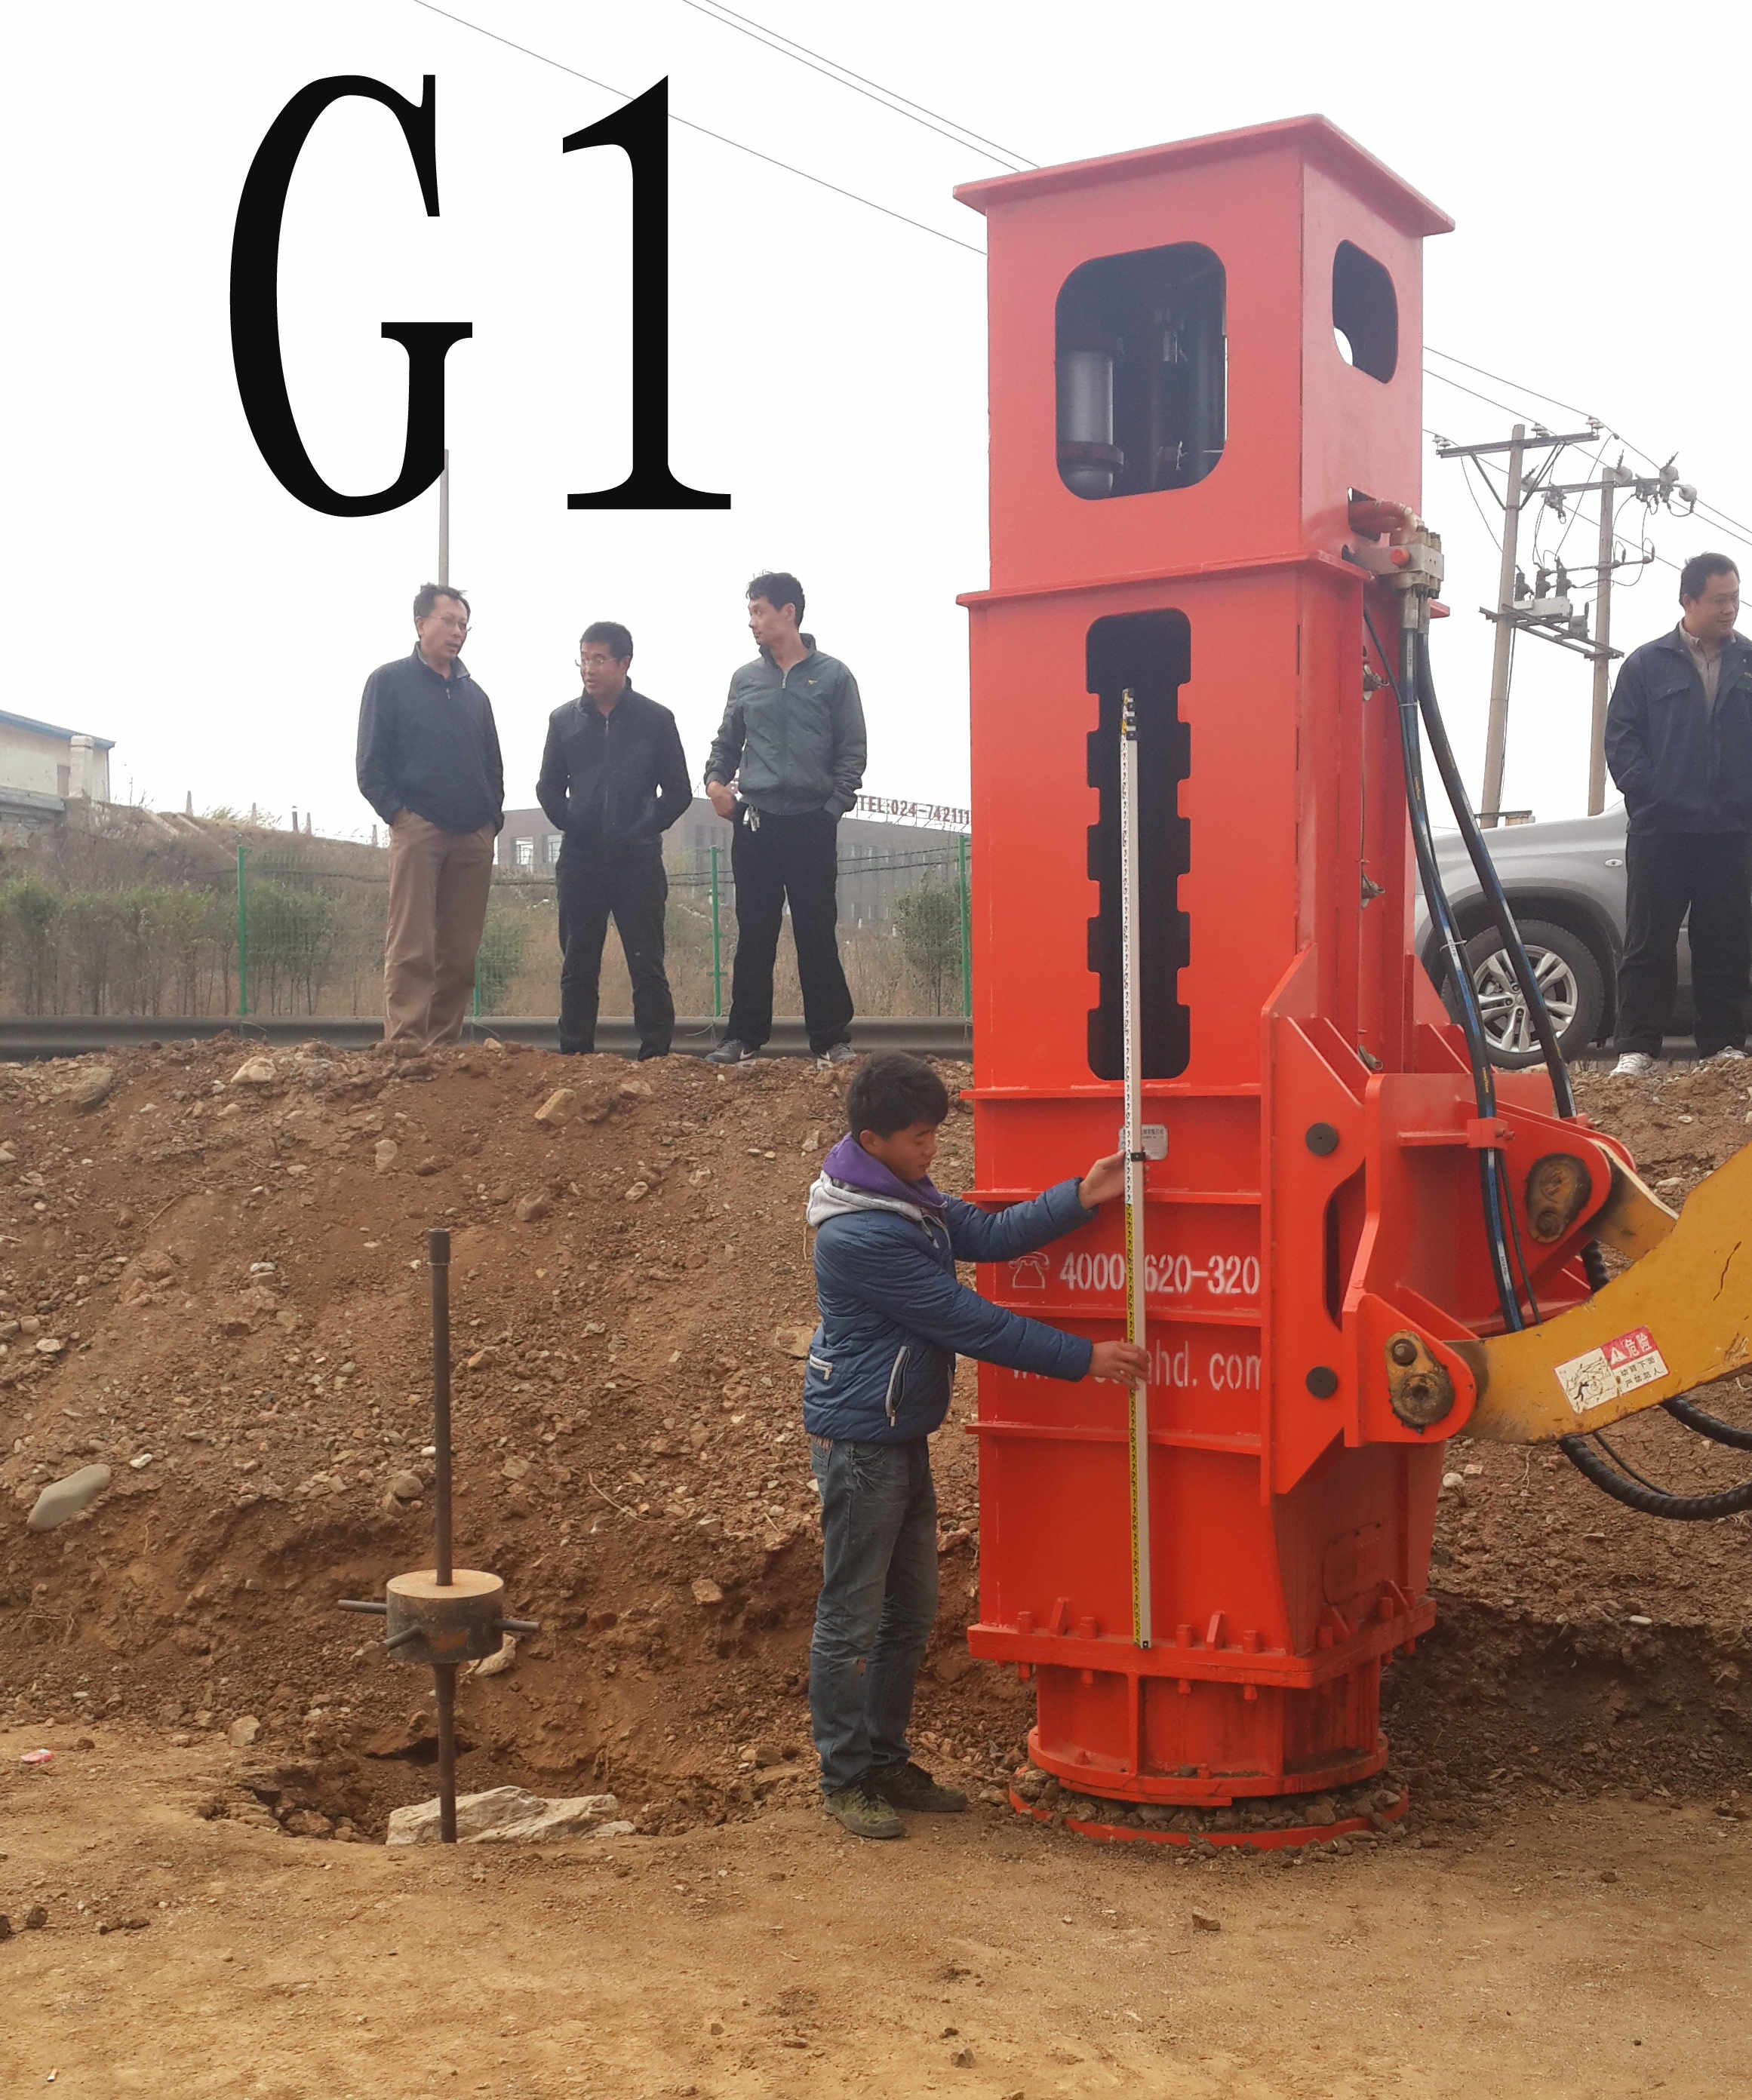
65	1498
506	1814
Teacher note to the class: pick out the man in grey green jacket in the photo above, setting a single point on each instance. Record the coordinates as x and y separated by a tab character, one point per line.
785	765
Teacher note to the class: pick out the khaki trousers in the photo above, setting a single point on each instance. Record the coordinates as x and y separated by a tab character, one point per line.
439	885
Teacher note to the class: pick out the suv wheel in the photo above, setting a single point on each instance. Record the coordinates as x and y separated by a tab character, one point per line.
1566	969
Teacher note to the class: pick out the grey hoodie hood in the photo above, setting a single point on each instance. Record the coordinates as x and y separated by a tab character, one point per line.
828	1198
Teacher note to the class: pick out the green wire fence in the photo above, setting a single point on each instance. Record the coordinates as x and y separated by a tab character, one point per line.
295	926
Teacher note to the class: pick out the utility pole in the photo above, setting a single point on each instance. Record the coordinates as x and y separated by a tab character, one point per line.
1615	478
1521	486
444	519
1496	727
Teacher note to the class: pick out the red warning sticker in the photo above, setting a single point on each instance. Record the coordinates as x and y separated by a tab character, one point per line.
1617	1367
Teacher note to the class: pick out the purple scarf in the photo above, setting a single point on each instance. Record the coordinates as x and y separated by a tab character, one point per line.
849	1163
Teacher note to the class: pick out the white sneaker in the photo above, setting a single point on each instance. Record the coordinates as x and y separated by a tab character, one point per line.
1732	1055
1634	1065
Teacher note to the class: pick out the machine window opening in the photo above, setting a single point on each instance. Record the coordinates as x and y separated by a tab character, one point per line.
1365	313
1151	654
1142	363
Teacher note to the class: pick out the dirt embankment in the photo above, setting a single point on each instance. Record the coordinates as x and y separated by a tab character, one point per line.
233	1273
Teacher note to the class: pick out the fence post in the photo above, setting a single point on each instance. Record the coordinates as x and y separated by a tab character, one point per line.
243	940
967	932
717	951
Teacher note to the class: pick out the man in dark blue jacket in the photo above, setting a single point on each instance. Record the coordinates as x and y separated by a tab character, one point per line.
881	1368
1678	741
613	780
428	764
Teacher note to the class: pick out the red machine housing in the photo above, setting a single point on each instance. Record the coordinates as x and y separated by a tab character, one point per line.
1177	439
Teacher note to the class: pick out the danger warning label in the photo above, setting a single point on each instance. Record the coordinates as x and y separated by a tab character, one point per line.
1614	1369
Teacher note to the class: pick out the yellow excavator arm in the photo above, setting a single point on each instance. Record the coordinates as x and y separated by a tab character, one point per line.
1678	1317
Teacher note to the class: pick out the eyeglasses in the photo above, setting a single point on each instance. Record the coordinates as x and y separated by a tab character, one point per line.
596	663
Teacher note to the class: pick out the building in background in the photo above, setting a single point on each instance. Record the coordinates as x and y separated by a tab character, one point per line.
888	846
43	768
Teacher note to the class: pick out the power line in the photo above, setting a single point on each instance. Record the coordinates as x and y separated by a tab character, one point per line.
1489	400
916	112
1514	385
753	152
886	98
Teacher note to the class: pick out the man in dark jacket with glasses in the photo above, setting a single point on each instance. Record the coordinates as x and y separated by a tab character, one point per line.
613	780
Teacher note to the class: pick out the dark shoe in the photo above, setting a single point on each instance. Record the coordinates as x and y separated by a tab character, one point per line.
730	1052
645	1056
911	1786
862	1812
837	1053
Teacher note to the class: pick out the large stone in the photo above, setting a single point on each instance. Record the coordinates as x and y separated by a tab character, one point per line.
254	1072
92	1088
506	1814
65	1498
243	1731
558	1108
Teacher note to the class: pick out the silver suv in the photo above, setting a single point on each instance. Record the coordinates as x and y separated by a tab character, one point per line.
1565	882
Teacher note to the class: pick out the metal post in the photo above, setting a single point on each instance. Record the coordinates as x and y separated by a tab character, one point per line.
1137	1410
1602	643
717	949
444	1674
966	931
445	1677
438	1257
444	519
243	942
1496	731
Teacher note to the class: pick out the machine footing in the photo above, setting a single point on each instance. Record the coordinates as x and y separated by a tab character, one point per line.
1378	1810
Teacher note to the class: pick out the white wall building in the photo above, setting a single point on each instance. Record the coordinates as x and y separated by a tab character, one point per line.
43	768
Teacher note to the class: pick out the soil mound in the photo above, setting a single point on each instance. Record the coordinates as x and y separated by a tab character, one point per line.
212	1281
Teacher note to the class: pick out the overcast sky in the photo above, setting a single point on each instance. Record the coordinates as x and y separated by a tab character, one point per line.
827	362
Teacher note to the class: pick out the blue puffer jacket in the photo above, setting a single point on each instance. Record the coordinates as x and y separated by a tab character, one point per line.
892	1315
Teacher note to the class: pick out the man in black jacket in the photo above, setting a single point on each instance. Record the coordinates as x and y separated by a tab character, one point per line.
792	739
1678	741
613	780
428	764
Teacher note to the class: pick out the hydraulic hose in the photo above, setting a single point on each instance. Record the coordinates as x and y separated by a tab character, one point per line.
1636	1494
1442	917
1489	880
1653	1502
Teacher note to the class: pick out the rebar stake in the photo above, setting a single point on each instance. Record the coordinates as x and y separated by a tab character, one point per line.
443	1615
438	1256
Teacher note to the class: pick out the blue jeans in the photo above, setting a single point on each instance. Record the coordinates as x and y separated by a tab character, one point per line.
878	1602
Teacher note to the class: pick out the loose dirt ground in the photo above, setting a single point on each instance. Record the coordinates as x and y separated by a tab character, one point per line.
779	1957
232	1272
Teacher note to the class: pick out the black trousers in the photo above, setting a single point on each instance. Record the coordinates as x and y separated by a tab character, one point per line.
1666	874
776	861
632	885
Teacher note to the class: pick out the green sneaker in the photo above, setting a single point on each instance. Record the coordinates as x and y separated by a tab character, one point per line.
863	1812
911	1786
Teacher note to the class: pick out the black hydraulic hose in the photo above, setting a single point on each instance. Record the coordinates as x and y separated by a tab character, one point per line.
1709	1425
1653	1502
1651	1499
1485	868
1442	917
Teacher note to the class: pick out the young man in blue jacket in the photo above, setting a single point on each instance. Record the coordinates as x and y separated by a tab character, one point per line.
877	1383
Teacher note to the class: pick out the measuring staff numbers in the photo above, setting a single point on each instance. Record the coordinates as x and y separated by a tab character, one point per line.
1224	1275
